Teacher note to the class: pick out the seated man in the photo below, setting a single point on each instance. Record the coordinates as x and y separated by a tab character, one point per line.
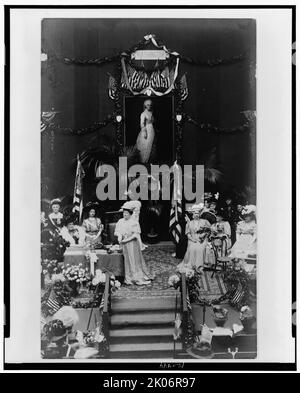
72	233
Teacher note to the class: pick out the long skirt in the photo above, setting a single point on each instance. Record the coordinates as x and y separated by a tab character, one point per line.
136	271
195	255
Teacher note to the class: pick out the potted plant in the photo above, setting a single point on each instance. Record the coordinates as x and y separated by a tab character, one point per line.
220	315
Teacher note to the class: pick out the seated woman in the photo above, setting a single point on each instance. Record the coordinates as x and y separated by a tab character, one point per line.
72	233
197	231
245	244
92	225
56	217
128	231
221	230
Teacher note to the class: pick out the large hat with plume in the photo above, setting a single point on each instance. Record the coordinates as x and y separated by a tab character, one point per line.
197	208
68	315
130	205
249	210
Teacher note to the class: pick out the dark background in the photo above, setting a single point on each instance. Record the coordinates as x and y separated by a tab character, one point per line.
217	95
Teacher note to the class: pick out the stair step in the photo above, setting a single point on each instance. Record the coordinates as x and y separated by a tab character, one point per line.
143	319
141	339
147	304
145	332
142	347
144	355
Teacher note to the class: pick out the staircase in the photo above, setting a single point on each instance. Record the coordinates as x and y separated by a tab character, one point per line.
143	328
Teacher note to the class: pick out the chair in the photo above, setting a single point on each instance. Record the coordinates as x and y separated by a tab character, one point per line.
219	246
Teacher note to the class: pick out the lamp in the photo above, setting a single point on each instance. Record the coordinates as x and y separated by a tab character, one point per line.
178	117
119	118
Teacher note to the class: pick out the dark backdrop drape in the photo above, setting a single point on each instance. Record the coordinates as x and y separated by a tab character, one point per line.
217	95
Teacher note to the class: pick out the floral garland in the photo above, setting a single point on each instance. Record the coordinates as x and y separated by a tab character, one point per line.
53	128
235	280
209	128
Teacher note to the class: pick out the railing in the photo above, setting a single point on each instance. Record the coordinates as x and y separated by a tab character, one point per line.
185	313
106	309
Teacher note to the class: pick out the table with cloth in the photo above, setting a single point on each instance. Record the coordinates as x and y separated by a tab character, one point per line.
112	263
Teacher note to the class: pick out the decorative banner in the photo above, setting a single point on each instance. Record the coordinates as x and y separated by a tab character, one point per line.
138	82
46	119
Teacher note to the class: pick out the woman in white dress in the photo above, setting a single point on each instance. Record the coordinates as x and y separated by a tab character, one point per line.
197	231
245	244
128	231
145	142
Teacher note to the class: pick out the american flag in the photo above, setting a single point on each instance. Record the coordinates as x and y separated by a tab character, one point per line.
176	208
78	194
52	302
183	88
238	296
112	87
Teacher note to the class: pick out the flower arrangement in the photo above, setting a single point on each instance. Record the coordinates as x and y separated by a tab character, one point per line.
76	276
100	277
247	318
174	281
76	273
187	270
114	284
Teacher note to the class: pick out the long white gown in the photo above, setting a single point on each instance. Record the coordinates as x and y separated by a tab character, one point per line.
145	139
136	271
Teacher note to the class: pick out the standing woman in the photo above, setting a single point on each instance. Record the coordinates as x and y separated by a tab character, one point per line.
56	217
245	244
92	225
128	231
145	142
197	231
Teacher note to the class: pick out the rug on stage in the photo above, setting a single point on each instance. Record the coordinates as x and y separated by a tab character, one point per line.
162	265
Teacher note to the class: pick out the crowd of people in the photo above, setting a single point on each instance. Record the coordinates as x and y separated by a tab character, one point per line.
222	227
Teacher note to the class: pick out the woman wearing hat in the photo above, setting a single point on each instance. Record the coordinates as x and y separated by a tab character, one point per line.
197	231
245	244
73	233
92	225
56	217
128	232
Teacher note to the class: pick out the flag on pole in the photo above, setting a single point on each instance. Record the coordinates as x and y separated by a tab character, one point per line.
52	303
176	207
183	88
78	194
112	87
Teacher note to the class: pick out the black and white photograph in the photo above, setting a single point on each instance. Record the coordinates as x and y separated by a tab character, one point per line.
150	222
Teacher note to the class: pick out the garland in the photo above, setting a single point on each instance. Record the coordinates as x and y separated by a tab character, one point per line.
214	62
80	131
209	128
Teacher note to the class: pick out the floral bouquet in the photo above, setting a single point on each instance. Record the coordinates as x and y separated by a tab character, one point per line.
114	284
187	270
76	276
174	281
